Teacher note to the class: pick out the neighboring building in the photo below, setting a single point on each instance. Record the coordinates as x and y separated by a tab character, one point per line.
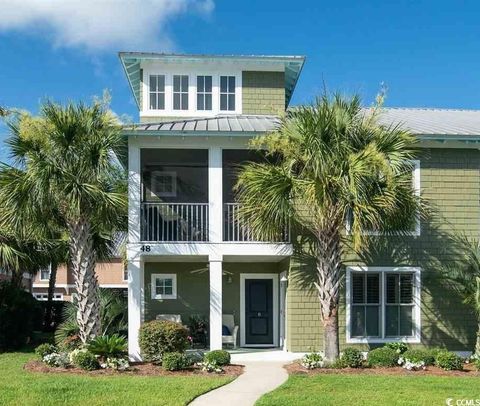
187	253
26	279
111	274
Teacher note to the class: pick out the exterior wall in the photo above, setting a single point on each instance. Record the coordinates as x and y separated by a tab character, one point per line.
193	288
263	92
450	181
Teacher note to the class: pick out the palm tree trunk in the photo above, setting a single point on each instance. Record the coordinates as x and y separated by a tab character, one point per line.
82	257
51	290
477	344
329	278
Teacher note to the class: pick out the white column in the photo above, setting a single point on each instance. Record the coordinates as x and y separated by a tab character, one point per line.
135	306
215	194
134	192
215	267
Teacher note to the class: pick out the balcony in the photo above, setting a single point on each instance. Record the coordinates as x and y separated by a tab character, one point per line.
172	222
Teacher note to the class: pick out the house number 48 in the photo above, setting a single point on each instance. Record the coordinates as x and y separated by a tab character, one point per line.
145	248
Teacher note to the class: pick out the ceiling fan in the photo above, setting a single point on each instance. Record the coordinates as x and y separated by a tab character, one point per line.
206	268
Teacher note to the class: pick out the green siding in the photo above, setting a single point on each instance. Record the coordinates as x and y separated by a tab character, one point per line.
450	180
263	92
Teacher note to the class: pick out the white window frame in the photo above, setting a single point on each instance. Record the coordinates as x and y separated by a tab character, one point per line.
163	276
416	337
173	178
44	296
156	92
204	93
220	93
181	92
49	269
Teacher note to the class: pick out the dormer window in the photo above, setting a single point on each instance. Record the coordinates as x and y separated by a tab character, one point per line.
227	93
180	92
204	93
157	92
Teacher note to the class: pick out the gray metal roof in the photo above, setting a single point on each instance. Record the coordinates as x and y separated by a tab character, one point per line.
420	121
219	124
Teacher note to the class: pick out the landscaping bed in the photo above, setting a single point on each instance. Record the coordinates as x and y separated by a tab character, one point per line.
136	368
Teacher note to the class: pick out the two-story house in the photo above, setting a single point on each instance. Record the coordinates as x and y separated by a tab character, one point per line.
188	254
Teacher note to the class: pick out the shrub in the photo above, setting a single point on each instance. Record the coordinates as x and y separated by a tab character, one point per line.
312	360
477	364
220	357
399	347
196	357
113	346
119	364
45	349
419	356
175	361
449	361
211	366
162	336
84	359
351	357
382	357
18	312
57	359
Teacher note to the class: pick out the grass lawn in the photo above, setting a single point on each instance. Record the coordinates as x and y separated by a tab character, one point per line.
333	389
19	387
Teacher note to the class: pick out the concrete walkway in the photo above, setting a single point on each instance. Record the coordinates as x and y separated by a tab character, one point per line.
258	378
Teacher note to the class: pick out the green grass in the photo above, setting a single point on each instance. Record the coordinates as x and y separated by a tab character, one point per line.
323	389
19	387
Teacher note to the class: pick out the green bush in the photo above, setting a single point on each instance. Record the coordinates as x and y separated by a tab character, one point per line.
382	357
175	361
85	360
399	347
161	336
220	357
351	357
18	312
113	346
418	356
313	360
477	364
449	361
45	349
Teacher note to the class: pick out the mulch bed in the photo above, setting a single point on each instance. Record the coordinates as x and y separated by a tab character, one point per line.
296	368
136	368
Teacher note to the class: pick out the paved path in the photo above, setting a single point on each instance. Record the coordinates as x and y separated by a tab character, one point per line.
258	378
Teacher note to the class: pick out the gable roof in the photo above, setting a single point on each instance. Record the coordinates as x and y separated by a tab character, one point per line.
131	64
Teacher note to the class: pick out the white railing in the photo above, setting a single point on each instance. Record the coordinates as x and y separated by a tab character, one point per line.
235	228
174	221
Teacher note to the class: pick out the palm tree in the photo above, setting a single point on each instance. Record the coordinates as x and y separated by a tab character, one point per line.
464	277
330	165
66	170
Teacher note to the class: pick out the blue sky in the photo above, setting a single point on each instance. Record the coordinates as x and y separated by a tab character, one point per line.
426	52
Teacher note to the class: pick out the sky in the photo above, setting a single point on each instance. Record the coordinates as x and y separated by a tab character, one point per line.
425	52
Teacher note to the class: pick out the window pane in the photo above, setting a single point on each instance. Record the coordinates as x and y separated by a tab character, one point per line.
358	289
176	83
406	288
231	102
168	290
372	321
223	102
200	83
153	83
161	101
373	288
176	101
208	102
358	321
153	101
184	83
406	321
200	103
391	321
184	101
392	288
223	84
208	84
161	83
231	83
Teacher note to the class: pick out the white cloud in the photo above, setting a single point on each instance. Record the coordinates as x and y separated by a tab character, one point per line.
99	25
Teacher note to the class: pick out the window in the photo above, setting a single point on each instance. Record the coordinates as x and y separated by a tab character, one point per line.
204	93
45	274
125	275
157	92
180	92
227	93
164	286
163	184
383	304
44	296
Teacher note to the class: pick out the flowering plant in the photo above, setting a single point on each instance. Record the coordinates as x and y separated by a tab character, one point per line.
312	360
56	359
211	366
119	364
411	365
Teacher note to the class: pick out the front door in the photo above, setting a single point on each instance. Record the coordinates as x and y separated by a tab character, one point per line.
258	312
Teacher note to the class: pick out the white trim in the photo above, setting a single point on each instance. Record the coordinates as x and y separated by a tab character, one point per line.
215	301
275	309
136	301
114	285
163	276
416	338
215	195
57	285
44	296
283	310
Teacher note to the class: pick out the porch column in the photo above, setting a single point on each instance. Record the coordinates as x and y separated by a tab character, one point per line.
215	270
135	306
215	195
134	192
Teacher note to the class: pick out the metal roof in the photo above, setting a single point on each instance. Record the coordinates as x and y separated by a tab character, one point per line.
131	64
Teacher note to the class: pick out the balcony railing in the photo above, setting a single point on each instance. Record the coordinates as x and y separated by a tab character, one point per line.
174	222
235	228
